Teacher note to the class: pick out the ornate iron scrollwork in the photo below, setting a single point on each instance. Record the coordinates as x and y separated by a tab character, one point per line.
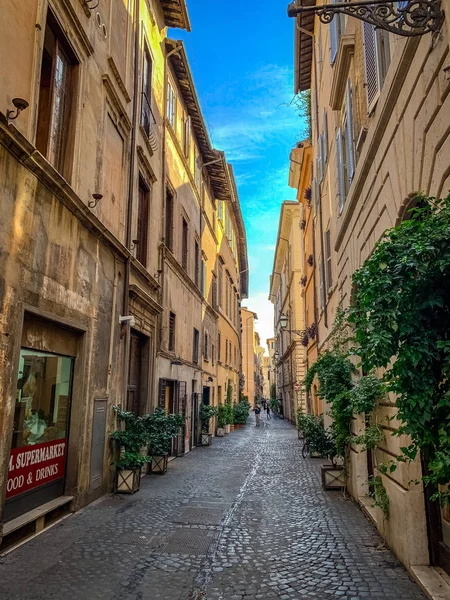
409	19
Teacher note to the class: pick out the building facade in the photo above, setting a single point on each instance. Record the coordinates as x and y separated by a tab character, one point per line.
286	294
380	134
110	199
248	353
300	179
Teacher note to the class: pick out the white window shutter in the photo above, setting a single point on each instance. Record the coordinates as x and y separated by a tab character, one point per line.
316	196
313	194
349	143
325	136
334	38
371	65
321	287
340	169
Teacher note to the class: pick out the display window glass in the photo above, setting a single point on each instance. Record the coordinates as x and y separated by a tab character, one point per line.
41	420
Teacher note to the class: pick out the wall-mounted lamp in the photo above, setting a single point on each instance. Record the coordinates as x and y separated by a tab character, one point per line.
210	379
284	319
93	203
20	105
134	243
176	361
276	355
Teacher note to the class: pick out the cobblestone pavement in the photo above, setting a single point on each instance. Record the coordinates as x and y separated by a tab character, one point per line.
243	519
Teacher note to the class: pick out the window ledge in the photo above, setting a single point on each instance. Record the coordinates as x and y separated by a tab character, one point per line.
341	70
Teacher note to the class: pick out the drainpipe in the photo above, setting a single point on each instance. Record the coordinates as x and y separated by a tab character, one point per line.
131	181
113	327
325	309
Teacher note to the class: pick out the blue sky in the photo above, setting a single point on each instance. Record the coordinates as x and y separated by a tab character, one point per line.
241	56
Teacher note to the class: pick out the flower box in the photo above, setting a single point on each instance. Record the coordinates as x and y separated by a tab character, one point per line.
220	432
333	477
160	463
206	439
127	480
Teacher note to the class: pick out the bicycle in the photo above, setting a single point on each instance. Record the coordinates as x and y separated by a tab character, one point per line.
305	449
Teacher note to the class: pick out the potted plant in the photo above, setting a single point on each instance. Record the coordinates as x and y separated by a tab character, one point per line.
130	438
221	420
207	412
161	428
240	413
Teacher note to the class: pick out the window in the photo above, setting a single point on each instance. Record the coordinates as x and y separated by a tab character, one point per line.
336	30
184	244
219	346
345	149
227	295
321	288
147	119
187	137
376	61
142	223
205	345
197	263
41	419
220	210
198	172
226	351
56	92
220	286
195	346
214	292
169	220
213	354
329	274
171	105
235	357
203	278
172	321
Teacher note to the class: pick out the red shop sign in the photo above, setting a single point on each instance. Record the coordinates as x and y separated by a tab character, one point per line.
32	466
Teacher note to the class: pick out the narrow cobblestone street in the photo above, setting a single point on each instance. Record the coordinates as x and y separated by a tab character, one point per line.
243	519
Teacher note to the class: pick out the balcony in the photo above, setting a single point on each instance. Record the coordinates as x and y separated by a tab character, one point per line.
148	123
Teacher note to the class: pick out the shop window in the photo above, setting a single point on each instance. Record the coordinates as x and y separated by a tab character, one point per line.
41	420
56	96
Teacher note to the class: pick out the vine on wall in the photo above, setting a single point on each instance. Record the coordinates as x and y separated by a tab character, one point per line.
401	319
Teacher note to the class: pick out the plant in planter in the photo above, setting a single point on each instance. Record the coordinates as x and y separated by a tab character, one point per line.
221	420
240	413
161	428
207	412
131	438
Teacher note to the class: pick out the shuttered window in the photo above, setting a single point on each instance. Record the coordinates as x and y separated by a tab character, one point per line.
184	244
329	273
172	319
324	138
349	143
187	137
195	346
340	169
171	104
197	263
376	61
321	287
335	34
219	346
203	278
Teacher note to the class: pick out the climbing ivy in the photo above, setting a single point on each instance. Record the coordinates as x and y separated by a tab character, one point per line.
401	318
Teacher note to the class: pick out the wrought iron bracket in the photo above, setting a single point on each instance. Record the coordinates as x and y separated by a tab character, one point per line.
408	19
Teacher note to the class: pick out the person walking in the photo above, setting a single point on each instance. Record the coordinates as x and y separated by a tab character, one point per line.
268	411
258	415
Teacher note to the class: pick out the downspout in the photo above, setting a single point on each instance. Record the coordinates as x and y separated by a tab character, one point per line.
126	287
112	331
316	95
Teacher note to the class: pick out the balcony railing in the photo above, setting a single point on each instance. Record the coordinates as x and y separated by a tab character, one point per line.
148	122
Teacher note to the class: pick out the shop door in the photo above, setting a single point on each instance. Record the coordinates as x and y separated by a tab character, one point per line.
37	462
181	409
137	374
194	420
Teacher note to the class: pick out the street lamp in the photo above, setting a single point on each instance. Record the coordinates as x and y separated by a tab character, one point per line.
284	319
276	355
